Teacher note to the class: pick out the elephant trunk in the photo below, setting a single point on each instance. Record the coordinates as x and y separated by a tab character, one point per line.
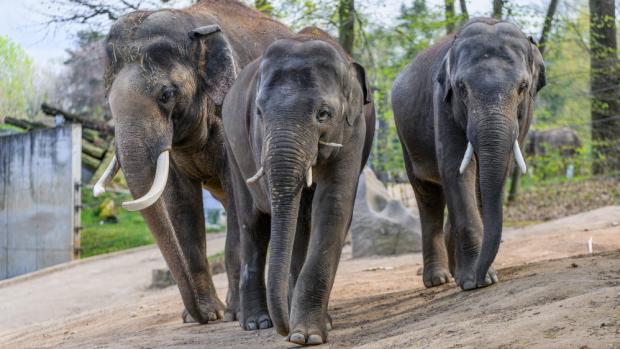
494	142
146	166
288	163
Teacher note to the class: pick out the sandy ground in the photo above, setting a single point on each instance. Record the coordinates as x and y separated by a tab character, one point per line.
552	294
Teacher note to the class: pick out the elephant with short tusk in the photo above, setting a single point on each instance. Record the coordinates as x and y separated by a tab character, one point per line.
462	108
299	125
167	73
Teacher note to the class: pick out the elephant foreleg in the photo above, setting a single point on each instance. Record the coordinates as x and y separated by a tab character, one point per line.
331	215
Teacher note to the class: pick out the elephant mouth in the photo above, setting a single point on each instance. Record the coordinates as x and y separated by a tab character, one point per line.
469	154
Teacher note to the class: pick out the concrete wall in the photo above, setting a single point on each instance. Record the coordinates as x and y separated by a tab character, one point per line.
39	199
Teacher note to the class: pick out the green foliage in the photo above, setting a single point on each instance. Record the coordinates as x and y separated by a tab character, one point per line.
554	165
565	101
264	6
16	76
99	237
385	53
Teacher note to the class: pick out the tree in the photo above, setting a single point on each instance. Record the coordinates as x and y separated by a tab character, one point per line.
16	75
553	5
498	6
604	86
98	14
346	24
81	89
450	15
516	174
464	13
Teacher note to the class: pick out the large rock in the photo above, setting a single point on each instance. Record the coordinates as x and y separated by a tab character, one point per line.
381	225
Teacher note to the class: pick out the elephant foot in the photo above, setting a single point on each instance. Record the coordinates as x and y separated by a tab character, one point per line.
307	334
213	310
232	311
435	276
467	281
328	322
258	320
231	314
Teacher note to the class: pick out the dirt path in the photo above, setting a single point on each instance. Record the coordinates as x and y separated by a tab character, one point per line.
380	302
76	287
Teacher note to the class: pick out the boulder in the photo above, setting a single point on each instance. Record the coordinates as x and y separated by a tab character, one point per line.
381	225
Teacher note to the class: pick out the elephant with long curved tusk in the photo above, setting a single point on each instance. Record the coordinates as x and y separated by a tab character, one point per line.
167	73
461	109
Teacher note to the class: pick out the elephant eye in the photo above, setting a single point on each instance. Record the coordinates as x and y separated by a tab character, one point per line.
324	115
462	89
165	95
523	87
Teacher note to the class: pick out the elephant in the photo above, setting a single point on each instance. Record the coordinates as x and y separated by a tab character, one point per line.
565	139
167	72
298	126
461	109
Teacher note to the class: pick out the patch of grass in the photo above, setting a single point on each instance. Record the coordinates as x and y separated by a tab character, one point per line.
103	237
10	128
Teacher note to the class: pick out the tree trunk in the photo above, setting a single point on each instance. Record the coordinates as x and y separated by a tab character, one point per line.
498	6
604	81
346	25
464	13
516	174
553	5
449	16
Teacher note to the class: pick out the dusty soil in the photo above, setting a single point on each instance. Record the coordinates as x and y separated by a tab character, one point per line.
551	295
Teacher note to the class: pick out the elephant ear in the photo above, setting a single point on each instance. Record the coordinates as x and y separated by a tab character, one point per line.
443	77
216	63
538	64
360	74
361	77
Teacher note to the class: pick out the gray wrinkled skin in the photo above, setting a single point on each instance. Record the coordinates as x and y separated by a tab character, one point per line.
167	74
302	91
476	86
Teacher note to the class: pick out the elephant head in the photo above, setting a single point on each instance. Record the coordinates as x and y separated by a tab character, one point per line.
167	73
488	82
309	96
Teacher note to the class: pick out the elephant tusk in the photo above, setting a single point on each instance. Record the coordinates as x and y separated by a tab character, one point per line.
519	157
337	145
159	184
309	177
469	153
107	177
256	177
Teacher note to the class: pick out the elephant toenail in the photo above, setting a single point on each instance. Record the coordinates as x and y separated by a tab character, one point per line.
469	285
315	339
251	326
212	316
298	338
265	324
